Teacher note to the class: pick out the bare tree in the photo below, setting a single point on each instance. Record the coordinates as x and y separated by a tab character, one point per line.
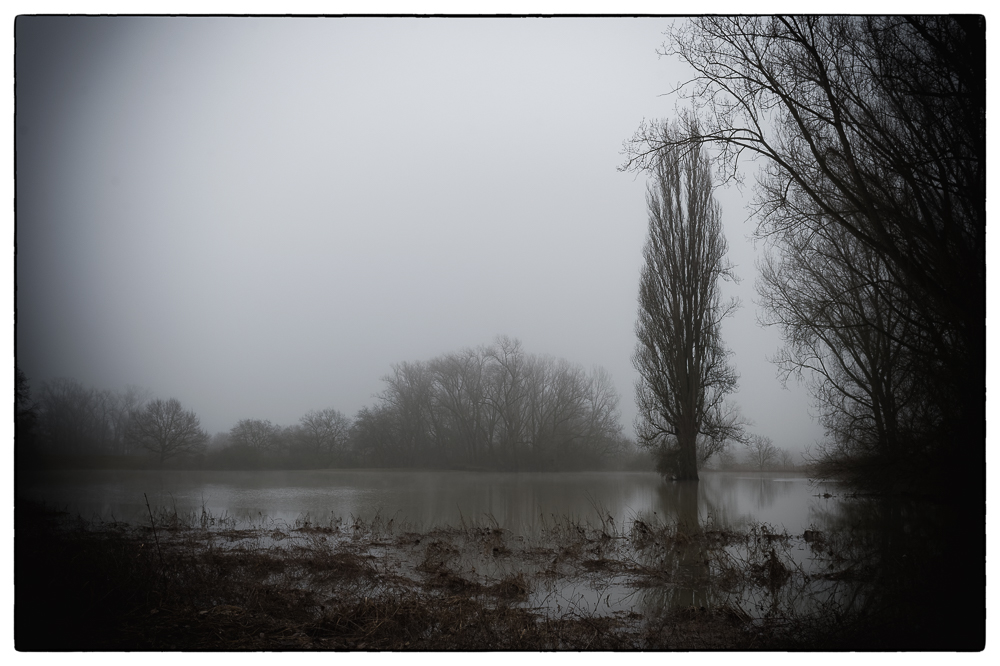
123	406
375	434
603	430
168	430
507	395
761	451
256	434
680	356
876	125
325	432
851	331
409	391
72	418
493	406
458	379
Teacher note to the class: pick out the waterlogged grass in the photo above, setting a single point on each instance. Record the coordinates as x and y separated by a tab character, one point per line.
198	582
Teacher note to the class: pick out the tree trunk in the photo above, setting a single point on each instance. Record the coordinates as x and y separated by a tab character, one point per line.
687	460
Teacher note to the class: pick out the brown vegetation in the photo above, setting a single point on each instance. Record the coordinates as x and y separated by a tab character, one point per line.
201	583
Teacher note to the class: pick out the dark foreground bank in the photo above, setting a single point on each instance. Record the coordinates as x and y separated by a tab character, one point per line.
201	583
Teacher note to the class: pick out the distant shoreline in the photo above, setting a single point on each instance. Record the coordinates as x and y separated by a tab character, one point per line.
151	463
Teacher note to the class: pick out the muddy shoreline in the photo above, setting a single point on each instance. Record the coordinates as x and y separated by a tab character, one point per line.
202	583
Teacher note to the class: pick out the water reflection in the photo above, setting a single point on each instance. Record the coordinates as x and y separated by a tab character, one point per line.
518	502
681	499
772	547
894	573
521	503
679	555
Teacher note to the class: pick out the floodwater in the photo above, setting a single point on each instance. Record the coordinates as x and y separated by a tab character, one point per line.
869	553
522	503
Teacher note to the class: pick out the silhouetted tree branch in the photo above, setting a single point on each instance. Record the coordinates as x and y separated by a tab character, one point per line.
876	126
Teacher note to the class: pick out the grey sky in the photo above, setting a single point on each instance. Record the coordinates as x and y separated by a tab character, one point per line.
260	216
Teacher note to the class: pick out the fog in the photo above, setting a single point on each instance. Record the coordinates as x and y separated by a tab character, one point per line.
260	216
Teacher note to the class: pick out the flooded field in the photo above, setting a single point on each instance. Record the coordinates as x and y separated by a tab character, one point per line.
520	503
440	560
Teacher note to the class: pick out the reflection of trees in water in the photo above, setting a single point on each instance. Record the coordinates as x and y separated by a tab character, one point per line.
683	496
885	541
674	551
713	568
692	503
767	490
690	513
880	572
895	573
720	501
724	500
751	571
527	502
915	568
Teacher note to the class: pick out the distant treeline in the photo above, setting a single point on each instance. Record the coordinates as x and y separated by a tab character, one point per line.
494	407
758	454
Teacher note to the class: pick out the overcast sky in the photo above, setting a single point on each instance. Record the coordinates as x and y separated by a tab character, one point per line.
260	216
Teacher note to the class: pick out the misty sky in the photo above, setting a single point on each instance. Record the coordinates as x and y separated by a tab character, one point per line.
260	216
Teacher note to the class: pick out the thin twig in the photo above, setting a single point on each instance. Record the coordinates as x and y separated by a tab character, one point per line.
155	538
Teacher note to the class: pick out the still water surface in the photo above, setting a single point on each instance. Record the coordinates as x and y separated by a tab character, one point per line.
521	503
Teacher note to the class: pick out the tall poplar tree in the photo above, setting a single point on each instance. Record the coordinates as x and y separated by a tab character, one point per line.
681	359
